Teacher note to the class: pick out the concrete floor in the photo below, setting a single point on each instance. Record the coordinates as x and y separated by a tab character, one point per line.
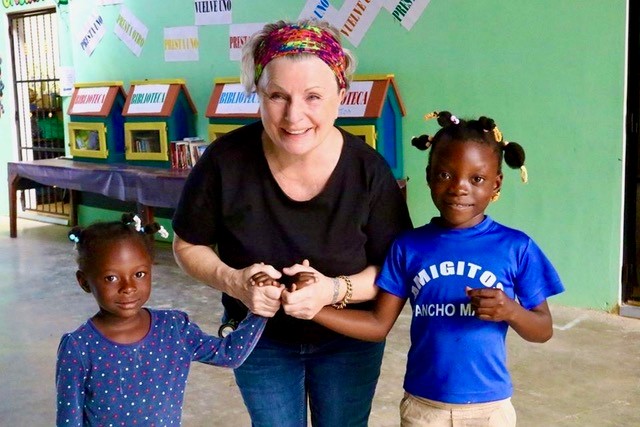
587	375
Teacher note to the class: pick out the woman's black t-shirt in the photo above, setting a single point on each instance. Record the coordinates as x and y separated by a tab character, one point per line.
232	202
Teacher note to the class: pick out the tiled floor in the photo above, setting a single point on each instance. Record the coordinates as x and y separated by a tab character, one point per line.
587	375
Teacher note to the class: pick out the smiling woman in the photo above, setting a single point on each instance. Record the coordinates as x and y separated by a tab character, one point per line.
307	198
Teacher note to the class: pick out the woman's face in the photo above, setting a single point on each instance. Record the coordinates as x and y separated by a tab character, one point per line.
299	100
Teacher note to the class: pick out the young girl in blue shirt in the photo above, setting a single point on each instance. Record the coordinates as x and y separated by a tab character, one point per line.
468	279
128	364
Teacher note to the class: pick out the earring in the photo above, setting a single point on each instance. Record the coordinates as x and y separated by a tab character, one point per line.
495	197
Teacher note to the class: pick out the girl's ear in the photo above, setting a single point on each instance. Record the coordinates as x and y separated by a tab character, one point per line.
427	170
82	281
498	184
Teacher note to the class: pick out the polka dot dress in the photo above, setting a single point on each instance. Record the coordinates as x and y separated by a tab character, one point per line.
100	382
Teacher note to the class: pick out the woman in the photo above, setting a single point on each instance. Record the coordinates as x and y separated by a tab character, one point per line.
288	194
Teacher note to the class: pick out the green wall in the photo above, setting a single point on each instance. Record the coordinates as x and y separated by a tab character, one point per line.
551	72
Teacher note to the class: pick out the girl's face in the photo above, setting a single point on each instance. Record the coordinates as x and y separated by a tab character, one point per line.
463	176
119	277
299	101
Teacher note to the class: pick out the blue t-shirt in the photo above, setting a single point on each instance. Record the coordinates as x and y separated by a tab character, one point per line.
101	382
454	356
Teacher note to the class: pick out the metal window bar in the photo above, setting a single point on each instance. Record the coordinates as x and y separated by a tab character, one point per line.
39	119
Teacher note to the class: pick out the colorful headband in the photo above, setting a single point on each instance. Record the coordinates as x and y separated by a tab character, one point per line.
295	39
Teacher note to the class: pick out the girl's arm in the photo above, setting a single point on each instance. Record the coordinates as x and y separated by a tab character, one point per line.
230	351
494	305
70	376
371	325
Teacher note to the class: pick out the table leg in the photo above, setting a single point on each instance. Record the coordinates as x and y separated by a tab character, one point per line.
13	205
146	213
73	208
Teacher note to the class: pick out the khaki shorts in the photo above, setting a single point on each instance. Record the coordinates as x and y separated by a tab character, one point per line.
418	412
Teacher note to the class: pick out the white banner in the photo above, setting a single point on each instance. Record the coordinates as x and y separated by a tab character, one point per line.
319	9
130	30
356	17
181	44
93	31
407	12
238	36
212	12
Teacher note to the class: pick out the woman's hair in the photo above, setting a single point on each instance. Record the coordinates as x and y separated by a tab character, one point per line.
482	130
89	240
253	50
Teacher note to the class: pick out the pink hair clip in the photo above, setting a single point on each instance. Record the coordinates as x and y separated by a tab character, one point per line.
454	120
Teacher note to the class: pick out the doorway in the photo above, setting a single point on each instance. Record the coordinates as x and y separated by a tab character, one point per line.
39	117
631	238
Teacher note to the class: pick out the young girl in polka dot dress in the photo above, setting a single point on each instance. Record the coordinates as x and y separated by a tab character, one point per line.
128	364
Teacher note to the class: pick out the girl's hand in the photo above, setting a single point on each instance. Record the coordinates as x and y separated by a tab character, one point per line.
492	304
258	288
310	291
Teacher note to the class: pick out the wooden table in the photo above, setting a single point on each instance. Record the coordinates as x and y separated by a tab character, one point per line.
148	187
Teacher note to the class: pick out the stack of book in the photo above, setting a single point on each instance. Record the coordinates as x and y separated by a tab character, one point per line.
186	152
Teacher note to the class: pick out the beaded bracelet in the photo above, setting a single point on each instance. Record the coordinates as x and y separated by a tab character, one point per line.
347	296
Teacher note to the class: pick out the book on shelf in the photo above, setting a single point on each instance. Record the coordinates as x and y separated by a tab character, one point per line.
186	152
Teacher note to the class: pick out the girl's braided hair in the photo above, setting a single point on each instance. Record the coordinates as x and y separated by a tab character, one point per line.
88	240
482	130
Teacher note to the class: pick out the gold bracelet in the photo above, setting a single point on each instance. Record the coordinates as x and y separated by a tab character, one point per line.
347	296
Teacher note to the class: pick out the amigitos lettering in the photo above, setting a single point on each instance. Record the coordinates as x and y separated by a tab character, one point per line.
460	268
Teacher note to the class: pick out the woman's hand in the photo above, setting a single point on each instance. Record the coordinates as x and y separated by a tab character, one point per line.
258	288
310	291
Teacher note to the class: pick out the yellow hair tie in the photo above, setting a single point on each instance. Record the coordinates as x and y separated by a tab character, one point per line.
431	115
524	175
498	135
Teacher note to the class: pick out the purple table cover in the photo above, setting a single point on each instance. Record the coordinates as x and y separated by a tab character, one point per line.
146	185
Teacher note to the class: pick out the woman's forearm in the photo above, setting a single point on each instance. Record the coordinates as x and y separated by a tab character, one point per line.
363	285
204	264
